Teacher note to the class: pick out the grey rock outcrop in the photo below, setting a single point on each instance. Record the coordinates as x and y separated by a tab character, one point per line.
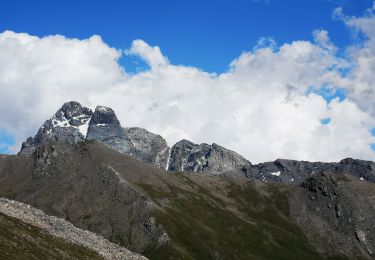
69	124
134	141
61	228
190	157
148	147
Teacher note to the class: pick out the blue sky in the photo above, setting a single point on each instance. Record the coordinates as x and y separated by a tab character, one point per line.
205	34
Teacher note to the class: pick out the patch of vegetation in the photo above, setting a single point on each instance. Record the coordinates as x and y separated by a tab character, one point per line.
254	226
19	240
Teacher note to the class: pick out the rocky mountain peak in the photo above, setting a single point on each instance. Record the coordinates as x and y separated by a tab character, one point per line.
72	114
69	124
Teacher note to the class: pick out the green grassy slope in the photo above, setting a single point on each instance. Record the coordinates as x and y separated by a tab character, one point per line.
236	221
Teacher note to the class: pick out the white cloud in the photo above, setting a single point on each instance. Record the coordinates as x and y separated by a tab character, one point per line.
259	108
152	55
360	81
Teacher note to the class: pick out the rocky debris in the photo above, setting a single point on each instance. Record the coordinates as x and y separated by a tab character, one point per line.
148	147
20	240
65	230
69	124
189	157
336	213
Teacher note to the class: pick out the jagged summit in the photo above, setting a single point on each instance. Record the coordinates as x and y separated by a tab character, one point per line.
69	124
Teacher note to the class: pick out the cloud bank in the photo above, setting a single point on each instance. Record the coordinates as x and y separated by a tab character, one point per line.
267	105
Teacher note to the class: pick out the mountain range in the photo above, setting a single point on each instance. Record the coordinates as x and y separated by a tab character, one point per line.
188	201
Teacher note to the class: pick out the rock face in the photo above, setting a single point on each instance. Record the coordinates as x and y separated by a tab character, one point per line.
69	124
104	124
336	213
105	127
137	142
190	157
148	147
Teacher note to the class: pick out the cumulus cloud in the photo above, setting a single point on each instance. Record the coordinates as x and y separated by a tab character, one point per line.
266	106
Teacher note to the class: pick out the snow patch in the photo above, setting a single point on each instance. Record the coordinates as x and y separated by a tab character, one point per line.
275	173
101	124
84	128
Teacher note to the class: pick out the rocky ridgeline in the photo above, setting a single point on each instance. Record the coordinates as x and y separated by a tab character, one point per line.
63	229
295	172
73	123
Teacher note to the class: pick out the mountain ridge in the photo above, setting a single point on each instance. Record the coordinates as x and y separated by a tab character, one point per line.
72	121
